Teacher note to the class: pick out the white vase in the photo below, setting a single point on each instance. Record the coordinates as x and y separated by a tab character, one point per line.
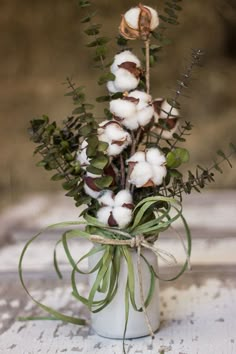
110	322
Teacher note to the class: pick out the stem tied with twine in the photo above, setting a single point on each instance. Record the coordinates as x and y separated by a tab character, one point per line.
114	244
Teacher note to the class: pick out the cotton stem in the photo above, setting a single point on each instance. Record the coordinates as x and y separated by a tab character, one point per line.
147	54
122	171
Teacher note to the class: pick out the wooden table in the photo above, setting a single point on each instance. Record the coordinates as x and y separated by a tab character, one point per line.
198	311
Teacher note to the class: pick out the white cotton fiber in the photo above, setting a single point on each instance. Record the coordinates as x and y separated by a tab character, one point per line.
111	87
155	157
122	216
145	115
122	108
166	109
139	156
131	123
112	133
125	81
132	17
90	192
123	57
115	132
106	198
123	197
159	172
143	97
103	214
141	174
114	150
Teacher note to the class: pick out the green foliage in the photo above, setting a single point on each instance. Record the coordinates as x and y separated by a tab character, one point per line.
171	12
196	180
103	182
97	42
105	78
58	147
169	18
176	157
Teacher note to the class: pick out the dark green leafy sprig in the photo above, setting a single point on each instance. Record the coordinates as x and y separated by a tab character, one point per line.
59	147
200	178
182	85
97	42
171	12
169	18
180	137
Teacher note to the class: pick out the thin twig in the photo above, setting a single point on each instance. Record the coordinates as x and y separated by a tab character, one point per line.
147	54
122	171
183	84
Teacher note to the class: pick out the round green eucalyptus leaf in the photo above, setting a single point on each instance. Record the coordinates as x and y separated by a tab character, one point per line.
94	170
103	182
102	146
183	154
176	157
99	162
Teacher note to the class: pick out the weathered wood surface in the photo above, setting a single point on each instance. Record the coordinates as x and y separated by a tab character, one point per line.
198	310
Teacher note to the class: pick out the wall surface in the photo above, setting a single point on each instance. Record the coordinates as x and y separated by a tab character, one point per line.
42	42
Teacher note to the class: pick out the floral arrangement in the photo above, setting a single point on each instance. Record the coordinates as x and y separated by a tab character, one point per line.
125	169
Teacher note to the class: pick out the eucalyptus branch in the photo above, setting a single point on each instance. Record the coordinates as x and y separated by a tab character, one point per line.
60	168
180	137
93	29
198	180
183	84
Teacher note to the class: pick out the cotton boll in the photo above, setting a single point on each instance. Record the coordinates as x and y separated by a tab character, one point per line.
141	174
114	149
123	216
106	198
91	192
159	173
125	81
103	214
122	108
123	57
145	115
132	17
131	123
139	156
166	108
112	133
123	197
154	18
155	157
143	97
115	132
111	87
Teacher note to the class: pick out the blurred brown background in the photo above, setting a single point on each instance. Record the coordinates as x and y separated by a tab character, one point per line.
42	43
